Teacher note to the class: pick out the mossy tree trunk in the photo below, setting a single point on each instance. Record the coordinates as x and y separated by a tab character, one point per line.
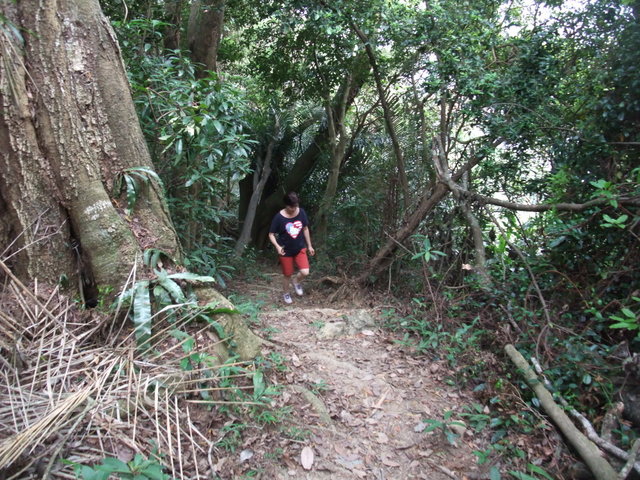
68	129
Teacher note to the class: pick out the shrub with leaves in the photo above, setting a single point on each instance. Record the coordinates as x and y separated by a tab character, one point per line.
131	180
166	291
139	468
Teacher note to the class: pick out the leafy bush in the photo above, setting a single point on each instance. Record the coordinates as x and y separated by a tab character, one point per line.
139	468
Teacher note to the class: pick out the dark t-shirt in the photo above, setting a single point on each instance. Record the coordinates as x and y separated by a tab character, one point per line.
289	232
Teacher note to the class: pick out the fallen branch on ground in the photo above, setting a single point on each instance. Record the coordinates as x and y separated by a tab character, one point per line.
588	451
603	441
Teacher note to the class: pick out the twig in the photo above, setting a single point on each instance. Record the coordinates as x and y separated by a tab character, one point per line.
631	463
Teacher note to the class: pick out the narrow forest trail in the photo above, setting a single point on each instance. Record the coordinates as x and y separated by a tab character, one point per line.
358	399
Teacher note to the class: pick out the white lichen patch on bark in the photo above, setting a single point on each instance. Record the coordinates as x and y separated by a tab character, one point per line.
93	211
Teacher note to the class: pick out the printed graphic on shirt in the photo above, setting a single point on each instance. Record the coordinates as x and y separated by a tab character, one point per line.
294	228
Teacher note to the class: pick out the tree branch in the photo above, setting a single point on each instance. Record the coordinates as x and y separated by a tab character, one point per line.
543	207
587	450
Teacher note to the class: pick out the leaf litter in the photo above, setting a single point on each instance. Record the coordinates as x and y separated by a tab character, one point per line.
353	401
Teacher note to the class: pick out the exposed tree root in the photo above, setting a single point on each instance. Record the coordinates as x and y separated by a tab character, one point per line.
317	404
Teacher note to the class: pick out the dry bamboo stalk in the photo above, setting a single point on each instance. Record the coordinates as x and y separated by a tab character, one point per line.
15	445
169	436
178	437
192	443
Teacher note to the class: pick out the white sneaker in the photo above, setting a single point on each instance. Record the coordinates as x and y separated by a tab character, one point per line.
298	289
287	298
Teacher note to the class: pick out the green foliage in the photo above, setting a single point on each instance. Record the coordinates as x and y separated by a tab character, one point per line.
231	434
627	319
130	181
198	134
426	251
208	260
251	309
165	290
444	426
431	337
152	257
199	139
537	473
606	190
139	468
273	360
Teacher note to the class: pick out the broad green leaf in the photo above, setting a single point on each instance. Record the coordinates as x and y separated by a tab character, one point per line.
173	289
88	473
628	313
161	295
188	340
628	326
219	126
110	464
191	276
142	312
539	471
132	193
154	472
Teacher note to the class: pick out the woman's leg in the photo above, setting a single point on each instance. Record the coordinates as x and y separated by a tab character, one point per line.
300	276
302	262
286	283
287	270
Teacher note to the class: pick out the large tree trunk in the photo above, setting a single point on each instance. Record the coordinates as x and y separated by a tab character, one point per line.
205	31
69	129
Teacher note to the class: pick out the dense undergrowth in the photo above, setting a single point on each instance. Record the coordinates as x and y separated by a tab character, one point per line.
582	336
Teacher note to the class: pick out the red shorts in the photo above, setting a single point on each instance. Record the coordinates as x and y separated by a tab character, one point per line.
301	261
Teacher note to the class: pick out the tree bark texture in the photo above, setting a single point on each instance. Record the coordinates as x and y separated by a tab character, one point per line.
68	129
338	146
205	31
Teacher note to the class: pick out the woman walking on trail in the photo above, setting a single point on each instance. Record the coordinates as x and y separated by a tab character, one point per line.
289	234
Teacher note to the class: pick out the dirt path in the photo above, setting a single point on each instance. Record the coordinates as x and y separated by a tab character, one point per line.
358	399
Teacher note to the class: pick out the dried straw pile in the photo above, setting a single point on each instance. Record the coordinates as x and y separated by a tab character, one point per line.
73	387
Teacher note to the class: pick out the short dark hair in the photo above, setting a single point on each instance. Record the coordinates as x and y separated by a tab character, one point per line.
291	199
